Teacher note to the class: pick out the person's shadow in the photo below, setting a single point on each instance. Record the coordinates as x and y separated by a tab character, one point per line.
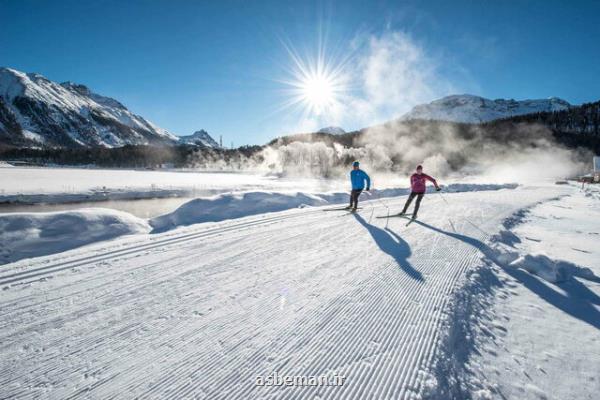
578	301
390	243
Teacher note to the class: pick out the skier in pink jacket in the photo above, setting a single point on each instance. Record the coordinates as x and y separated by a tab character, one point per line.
418	182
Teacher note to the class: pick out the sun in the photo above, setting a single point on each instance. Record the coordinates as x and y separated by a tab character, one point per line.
317	86
318	92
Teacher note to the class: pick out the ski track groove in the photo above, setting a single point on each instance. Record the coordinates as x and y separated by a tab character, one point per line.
150	283
136	249
371	320
136	284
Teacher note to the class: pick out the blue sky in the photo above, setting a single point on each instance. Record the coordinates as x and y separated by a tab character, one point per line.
221	65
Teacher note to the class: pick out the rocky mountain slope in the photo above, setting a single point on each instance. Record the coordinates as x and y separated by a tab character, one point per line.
35	111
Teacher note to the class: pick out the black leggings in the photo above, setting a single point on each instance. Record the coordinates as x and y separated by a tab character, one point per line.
354	197
411	196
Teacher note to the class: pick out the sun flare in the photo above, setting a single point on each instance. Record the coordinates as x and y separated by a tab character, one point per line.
318	92
317	86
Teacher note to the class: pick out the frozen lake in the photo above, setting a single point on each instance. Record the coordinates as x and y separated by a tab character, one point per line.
143	193
143	208
46	180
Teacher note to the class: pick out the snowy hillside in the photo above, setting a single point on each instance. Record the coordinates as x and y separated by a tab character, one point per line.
333	130
201	138
475	109
35	111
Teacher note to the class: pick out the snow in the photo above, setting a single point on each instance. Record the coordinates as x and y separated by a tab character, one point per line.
26	235
68	185
33	136
494	293
475	109
10	83
228	206
203	310
333	130
62	185
534	334
199	137
237	205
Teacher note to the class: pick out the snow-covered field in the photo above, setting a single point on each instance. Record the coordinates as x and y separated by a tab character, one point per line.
538	335
63	185
32	234
213	310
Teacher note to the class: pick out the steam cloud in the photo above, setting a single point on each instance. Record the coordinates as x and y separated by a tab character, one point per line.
393	74
492	153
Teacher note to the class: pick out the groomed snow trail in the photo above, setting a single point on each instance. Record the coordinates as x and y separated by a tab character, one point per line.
202	311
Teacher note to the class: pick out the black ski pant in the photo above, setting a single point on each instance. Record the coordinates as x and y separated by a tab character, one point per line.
354	197
411	196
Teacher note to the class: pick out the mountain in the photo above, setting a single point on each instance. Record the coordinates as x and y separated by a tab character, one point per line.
475	109
200	137
332	130
36	111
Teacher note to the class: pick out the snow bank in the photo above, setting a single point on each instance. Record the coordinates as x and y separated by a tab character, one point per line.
542	266
232	205
505	254
237	205
25	235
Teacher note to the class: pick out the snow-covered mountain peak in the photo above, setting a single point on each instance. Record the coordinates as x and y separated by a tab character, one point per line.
200	137
476	109
333	130
33	107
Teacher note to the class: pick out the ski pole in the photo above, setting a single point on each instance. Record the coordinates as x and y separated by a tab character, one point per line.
465	218
446	201
443	197
372	207
387	208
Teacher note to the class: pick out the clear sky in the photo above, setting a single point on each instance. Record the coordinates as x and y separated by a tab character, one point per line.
226	66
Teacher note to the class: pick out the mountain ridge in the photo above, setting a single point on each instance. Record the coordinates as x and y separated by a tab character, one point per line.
469	108
35	111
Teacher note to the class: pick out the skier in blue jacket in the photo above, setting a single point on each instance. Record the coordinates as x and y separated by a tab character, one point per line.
358	178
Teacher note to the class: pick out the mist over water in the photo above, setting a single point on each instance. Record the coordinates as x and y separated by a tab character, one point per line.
521	153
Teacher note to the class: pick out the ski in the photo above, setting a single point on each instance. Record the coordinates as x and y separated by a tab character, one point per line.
392	216
340	209
411	220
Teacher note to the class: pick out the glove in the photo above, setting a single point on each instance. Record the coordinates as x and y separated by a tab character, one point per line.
437	188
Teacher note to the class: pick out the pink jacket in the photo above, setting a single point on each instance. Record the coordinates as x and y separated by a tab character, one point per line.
417	182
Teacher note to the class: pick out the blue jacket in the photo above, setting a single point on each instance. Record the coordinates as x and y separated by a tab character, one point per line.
358	178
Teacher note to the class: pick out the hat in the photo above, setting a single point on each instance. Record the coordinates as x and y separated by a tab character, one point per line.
419	167
355	164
